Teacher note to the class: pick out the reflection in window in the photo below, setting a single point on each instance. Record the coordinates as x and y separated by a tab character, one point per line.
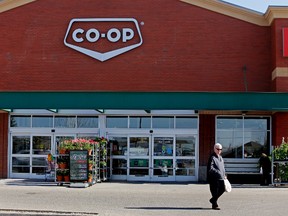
21	145
163	122
185	167
65	122
42	121
87	122
41	144
119	167
185	146
20	121
243	137
187	122
118	145
140	122
117	122
139	146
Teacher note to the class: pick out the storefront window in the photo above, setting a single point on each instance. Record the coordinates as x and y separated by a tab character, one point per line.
119	167
87	122
140	122
20	121
187	122
42	121
139	146
117	122
243	137
185	167
163	122
163	167
118	145
21	145
65	122
41	145
163	146
185	146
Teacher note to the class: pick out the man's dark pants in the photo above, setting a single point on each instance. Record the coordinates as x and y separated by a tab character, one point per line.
217	188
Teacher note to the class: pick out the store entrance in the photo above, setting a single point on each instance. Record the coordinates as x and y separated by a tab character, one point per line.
153	157
29	153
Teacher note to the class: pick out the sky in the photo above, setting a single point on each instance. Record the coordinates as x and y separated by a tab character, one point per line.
258	5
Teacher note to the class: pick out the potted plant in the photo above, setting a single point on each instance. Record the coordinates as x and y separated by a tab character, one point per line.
66	175
90	177
59	175
62	163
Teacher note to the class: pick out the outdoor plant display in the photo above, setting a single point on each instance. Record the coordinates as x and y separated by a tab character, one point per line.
280	154
70	151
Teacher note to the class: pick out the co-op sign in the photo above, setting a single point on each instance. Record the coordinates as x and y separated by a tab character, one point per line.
103	38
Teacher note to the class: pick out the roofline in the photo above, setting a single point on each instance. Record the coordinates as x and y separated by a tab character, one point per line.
6	5
218	6
241	13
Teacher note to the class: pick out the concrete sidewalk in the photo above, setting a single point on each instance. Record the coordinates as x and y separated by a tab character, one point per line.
132	199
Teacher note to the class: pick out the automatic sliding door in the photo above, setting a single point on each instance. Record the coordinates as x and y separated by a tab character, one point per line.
163	159
139	160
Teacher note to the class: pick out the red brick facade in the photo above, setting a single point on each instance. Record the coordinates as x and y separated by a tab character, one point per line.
185	48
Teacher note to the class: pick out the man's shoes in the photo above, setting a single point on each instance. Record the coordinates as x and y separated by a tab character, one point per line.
215	208
214	205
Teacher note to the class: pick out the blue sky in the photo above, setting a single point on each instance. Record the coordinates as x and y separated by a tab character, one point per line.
258	5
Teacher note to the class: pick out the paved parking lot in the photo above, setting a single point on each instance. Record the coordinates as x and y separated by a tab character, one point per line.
132	199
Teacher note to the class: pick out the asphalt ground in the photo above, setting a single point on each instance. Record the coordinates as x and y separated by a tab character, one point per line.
27	197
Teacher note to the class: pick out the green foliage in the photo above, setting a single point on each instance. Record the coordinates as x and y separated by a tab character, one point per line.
281	152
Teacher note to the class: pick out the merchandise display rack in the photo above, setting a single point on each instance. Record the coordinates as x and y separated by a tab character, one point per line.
93	166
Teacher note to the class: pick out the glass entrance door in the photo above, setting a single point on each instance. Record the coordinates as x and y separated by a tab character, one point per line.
162	158
29	154
153	157
139	158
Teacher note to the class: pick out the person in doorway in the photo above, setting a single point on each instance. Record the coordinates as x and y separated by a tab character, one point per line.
265	167
216	175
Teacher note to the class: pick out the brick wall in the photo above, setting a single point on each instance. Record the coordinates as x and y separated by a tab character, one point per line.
185	48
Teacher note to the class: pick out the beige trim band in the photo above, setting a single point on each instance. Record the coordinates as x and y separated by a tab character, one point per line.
280	72
247	15
6	5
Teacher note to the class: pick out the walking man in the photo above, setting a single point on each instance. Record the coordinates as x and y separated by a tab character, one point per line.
216	175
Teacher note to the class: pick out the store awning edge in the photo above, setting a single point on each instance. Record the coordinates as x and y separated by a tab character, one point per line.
269	101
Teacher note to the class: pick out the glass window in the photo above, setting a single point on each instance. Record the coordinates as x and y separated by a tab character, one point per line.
41	145
185	146
119	166
163	122
247	137
139	146
163	167
20	121
65	122
140	122
117	122
21	145
42	121
185	167
87	122
186	122
118	145
163	146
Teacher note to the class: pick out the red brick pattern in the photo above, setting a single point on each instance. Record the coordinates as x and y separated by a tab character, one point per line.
186	48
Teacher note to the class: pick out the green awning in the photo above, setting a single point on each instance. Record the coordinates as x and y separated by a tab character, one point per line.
266	101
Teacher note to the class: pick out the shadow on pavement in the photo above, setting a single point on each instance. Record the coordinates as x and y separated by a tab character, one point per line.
169	208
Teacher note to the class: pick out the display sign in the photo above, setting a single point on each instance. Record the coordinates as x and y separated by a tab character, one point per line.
103	38
79	165
285	42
